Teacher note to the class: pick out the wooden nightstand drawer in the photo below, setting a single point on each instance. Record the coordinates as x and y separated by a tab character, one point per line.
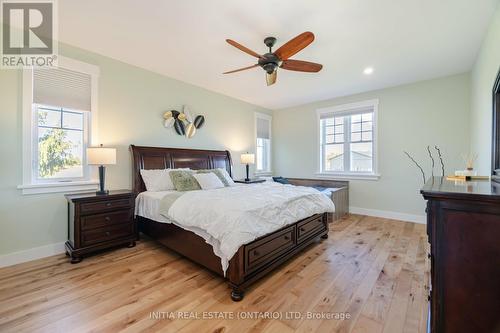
107	219
90	237
104	205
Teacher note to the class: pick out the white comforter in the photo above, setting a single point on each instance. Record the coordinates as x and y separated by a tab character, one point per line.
237	215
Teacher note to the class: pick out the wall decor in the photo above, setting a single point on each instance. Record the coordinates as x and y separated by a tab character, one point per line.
183	122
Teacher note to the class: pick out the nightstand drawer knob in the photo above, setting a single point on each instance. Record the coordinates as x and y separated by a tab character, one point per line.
302	229
108	233
256	253
107	219
108	204
287	238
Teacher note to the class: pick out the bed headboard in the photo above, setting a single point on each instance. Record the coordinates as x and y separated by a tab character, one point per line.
170	158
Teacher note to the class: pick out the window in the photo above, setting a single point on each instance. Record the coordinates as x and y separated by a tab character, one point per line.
59	110
61	136
347	139
263	143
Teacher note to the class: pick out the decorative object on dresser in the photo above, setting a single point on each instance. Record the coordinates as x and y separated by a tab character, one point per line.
101	156
463	226
438	151
247	159
338	190
250	181
98	222
183	122
252	261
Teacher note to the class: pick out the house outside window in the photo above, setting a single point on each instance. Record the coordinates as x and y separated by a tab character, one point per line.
348	140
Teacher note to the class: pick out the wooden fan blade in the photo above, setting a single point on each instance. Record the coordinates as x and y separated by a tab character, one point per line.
241	69
294	45
243	48
301	66
271	78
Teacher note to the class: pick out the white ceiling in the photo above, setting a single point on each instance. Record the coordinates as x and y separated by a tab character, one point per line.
403	40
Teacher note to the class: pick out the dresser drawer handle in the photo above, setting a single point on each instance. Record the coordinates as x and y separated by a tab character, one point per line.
108	204
287	238
107	219
108	233
302	229
256	253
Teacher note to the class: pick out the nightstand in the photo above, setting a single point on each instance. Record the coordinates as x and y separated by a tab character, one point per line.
98	222
251	181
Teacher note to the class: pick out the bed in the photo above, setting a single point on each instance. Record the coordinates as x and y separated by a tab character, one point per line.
253	260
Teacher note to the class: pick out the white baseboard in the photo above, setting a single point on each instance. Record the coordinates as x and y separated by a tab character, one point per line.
389	215
31	254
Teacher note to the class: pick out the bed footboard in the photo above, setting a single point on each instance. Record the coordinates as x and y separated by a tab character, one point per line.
252	261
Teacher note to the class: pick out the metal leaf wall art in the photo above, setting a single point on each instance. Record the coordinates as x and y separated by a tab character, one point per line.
183	122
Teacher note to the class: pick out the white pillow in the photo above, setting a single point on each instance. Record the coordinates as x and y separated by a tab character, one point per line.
158	179
208	181
226	175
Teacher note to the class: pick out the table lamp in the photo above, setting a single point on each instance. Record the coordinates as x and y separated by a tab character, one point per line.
101	156
247	159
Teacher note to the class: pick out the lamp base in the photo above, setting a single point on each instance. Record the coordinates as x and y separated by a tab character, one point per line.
105	192
102	174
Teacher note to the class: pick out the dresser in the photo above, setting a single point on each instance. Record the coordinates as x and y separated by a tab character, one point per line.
463	225
98	222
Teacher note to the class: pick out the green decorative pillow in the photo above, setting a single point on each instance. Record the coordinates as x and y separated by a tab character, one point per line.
217	172
183	180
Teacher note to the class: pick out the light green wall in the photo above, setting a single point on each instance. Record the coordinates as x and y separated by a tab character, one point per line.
482	79
131	104
410	117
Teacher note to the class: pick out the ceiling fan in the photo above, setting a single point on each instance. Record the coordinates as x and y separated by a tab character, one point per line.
280	58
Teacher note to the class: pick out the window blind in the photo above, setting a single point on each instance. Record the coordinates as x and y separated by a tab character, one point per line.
263	128
62	88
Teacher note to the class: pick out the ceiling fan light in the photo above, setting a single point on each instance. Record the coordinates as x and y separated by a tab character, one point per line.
271	77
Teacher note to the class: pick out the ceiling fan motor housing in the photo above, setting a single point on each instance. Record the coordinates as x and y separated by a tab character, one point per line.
269	62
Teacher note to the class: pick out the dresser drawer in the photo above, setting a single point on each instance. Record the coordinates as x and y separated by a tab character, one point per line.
93	236
104	205
106	219
310	227
267	248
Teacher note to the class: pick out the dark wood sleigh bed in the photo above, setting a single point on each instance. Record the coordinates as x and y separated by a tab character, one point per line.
253	260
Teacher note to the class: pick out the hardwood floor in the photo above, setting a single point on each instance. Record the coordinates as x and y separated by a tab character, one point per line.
373	270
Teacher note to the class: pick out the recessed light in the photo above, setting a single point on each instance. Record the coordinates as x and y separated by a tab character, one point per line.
368	71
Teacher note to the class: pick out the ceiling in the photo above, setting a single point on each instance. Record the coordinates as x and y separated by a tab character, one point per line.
403	40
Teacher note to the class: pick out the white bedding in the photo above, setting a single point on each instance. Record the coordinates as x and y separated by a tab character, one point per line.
230	217
147	204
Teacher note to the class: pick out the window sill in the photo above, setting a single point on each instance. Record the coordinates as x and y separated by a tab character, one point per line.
76	186
350	176
263	173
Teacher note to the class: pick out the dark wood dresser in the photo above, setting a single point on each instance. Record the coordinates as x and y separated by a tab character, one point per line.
463	225
98	222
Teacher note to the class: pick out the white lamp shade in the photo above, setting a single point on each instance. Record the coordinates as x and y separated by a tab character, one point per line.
247	158
101	156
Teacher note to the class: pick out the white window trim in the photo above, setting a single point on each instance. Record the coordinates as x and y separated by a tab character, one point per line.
29	186
269	118
374	175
